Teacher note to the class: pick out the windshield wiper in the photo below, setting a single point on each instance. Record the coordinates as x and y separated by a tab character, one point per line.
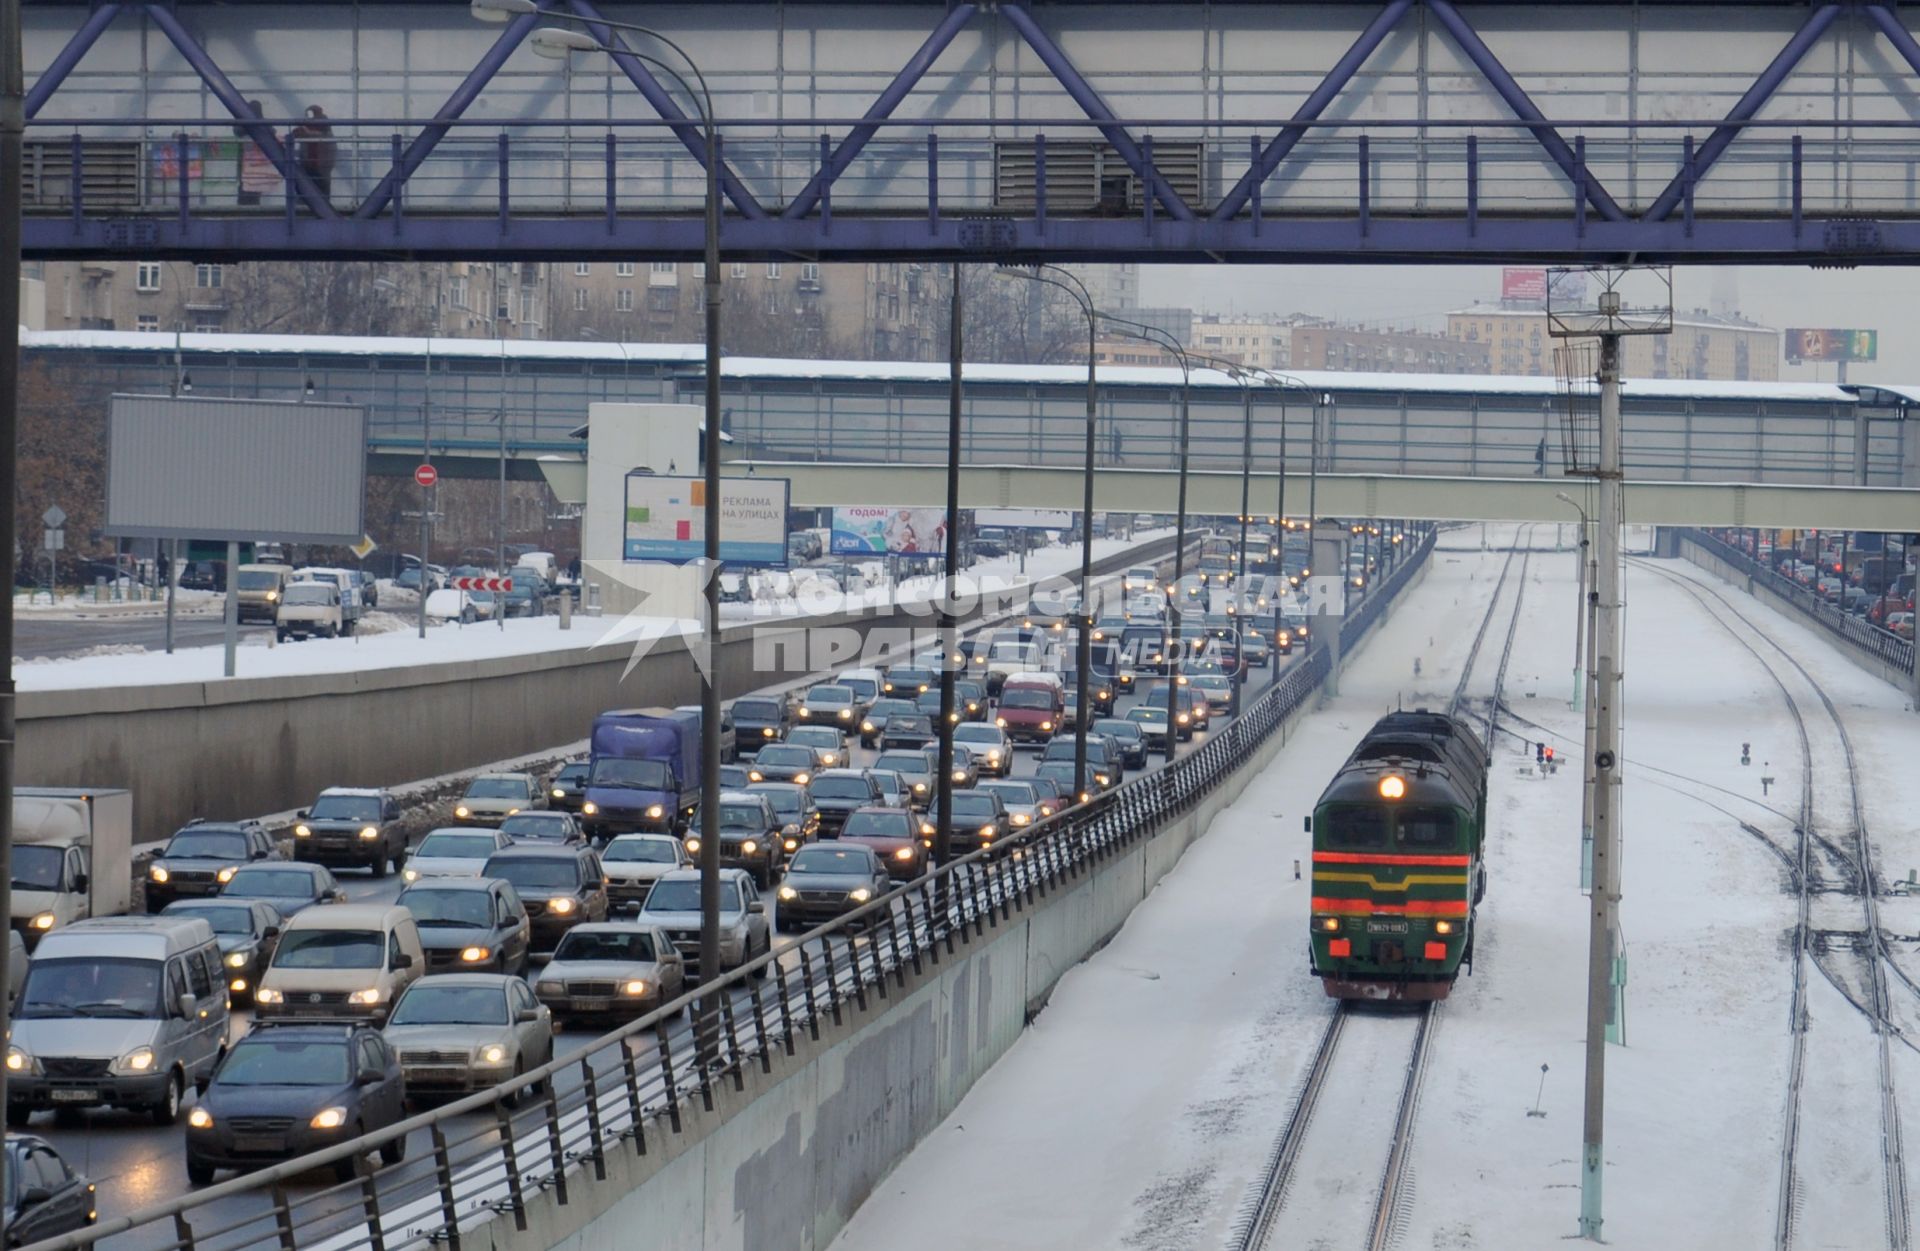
106	1008
470	925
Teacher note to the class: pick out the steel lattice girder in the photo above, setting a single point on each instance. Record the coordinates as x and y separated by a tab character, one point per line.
804	225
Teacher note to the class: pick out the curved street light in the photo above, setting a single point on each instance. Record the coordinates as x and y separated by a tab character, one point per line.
1064	280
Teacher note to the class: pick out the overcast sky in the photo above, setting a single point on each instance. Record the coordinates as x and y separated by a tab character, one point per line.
1880	299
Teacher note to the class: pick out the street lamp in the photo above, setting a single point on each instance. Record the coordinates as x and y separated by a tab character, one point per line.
1084	649
1280	382
558	42
1580	619
1233	370
1176	643
1583	685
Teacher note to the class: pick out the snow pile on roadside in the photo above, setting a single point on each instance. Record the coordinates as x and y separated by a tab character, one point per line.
104	649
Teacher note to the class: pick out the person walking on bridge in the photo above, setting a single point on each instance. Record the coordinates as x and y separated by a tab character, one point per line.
317	149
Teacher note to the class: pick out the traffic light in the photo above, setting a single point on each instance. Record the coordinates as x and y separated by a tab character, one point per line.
1539	753
1549	755
1746	753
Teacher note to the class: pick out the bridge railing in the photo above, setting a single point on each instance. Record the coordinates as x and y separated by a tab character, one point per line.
162	166
551	1128
1882	644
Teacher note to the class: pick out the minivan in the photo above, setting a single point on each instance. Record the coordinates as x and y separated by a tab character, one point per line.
348	960
117	1011
259	587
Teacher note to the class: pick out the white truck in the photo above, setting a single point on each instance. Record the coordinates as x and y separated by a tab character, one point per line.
72	856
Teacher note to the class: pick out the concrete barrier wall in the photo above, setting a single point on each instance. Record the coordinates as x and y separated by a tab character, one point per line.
1727	572
242	747
782	1164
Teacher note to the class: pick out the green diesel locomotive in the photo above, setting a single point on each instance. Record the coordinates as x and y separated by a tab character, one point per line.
1397	868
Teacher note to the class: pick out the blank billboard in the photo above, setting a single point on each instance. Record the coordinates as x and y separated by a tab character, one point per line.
188	467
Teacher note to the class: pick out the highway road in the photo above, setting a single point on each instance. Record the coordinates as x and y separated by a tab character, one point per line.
136	1164
37	638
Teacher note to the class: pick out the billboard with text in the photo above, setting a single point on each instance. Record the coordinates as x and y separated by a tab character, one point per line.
900	531
1832	345
665	520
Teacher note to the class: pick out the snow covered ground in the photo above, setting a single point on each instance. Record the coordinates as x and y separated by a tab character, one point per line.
1138	1108
388	638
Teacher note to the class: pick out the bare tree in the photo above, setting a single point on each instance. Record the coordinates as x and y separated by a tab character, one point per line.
332	297
1015	321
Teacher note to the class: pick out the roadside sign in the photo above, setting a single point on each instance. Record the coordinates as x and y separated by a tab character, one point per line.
365	547
426	475
482	584
54	517
56	540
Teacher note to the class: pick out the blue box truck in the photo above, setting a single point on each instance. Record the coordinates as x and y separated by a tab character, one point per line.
643	772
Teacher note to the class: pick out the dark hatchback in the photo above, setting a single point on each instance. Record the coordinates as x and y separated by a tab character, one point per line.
470	925
567	789
44	1196
907	730
201	856
286	1090
247	930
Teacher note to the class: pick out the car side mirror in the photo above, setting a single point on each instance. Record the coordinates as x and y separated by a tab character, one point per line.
187	1003
270	933
302	814
33	1195
370	1077
80	883
526	1016
403	961
757	907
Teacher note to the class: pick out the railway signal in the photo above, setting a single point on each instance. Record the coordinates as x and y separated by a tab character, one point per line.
1746	753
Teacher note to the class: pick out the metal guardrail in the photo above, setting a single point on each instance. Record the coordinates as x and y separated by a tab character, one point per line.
636	1084
1882	644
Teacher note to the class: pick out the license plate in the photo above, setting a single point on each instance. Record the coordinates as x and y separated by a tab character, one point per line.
76	1096
591	1005
1386	927
259	1144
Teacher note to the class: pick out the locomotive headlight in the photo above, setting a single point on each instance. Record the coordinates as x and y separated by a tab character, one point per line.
1331	925
1443	927
1393	787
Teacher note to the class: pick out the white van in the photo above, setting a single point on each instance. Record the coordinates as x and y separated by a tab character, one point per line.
347	960
117	1011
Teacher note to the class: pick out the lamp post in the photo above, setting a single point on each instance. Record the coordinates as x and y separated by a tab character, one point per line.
1233	370
1065	281
557	42
1280	382
1176	645
1583	686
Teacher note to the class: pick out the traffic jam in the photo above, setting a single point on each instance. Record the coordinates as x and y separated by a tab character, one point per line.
262	990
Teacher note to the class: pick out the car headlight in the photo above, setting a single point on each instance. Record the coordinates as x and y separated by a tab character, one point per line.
802	778
860	894
926	829
656	811
1046	725
237	960
139	1060
754	775
365	998
557	793
788	893
590	808
792	844
369	832
238	983
409	875
273	597
766	731
462	811
903	853
301	831
225	875
748	847
959	775
987	830
993	757
551	988
561	904
19	1061
1001	722
158	873
492	1054
866	727
474	955
692	842
328	1118
1103	779
44	921
1021	818
846	714
805	713
920	787
634	987
267	994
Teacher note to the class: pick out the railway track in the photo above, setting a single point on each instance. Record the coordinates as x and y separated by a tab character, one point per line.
1871	998
1345	1146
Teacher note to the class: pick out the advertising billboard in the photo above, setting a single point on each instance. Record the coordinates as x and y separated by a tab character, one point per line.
1832	345
665	520
187	467
1024	518
900	531
1532	286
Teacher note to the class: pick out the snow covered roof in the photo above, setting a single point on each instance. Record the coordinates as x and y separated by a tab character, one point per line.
770	369
360	345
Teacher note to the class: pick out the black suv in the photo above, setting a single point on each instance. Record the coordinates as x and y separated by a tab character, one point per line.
351	826
837	792
286	1090
760	719
200	857
559	886
751	835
